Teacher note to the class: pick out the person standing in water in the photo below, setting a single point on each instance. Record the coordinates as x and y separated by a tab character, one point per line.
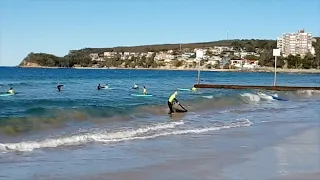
59	87
144	90
11	91
99	87
170	101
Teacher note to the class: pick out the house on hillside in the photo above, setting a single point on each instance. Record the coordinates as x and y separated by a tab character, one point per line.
236	63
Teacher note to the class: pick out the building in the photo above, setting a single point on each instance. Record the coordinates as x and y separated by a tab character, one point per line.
164	56
295	43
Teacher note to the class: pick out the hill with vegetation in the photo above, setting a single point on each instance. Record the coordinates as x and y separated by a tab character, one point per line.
82	57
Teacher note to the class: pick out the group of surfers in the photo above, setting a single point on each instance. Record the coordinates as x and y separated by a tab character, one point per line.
172	99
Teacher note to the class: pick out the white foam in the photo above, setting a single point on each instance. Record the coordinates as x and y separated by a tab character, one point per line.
242	123
308	92
147	132
265	96
84	138
208	97
251	97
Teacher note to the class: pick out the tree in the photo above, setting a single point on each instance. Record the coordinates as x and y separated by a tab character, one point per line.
294	61
226	66
208	53
251	57
266	58
317	51
201	62
177	63
208	66
308	61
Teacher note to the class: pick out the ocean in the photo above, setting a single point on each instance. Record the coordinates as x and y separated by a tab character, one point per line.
83	133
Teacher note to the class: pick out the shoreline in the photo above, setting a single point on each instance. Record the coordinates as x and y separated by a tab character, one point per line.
262	69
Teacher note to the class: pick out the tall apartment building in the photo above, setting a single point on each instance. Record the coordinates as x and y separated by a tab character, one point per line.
295	43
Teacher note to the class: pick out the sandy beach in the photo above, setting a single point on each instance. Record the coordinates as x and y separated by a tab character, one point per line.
235	155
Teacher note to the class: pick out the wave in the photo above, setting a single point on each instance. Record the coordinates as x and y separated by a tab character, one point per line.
44	116
104	136
249	97
309	92
35	115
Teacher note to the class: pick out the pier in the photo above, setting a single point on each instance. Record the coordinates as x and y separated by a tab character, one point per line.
273	88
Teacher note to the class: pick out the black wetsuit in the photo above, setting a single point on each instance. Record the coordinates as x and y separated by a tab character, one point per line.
170	105
170	108
59	87
99	87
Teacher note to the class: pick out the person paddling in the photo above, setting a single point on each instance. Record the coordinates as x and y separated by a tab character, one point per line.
59	87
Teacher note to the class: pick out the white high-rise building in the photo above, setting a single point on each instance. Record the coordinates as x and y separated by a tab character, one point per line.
295	43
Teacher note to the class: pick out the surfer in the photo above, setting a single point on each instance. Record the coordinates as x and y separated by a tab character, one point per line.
144	90
99	87
11	91
170	101
135	86
59	87
106	86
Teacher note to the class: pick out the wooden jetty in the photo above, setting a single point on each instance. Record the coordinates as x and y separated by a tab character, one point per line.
273	88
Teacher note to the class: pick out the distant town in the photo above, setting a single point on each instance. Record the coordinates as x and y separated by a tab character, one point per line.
298	50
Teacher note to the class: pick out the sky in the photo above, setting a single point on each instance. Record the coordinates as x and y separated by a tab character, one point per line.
57	26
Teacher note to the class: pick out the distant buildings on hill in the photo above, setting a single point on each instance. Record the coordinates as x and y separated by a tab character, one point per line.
295	43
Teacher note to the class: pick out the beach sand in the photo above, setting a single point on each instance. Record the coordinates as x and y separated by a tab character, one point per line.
233	155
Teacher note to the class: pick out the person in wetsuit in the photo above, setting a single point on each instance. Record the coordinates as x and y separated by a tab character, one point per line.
99	87
170	101
59	87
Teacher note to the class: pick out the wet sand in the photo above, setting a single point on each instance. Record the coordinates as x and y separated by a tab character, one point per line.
233	155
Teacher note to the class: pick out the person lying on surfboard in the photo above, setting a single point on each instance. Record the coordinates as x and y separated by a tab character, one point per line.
59	87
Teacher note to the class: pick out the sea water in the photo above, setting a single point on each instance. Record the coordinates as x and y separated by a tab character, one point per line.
82	132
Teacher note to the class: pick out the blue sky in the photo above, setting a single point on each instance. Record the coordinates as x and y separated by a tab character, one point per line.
56	26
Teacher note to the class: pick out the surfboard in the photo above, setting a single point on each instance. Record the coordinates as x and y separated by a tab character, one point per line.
107	88
7	94
142	95
279	99
178	108
184	89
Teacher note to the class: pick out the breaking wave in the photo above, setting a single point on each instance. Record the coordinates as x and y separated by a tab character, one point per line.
105	136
